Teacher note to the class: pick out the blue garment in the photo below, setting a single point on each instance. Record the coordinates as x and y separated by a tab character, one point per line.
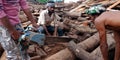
51	30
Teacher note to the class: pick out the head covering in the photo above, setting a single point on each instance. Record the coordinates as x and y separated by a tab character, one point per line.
95	10
50	4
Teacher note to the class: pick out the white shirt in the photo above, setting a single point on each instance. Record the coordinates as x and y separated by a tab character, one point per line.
44	16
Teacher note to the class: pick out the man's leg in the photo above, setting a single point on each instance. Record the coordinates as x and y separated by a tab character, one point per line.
24	54
11	49
117	47
60	32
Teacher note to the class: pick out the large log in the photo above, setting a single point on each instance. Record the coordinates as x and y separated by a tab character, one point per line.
79	52
84	45
95	55
87	45
115	4
62	55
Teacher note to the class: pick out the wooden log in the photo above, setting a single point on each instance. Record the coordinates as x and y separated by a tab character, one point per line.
69	56
35	58
95	55
79	52
91	43
72	14
62	55
97	51
49	40
82	5
115	4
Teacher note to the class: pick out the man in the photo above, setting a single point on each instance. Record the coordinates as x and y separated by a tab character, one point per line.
10	23
47	17
106	20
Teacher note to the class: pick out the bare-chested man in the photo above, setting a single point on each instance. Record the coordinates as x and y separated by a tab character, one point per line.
106	20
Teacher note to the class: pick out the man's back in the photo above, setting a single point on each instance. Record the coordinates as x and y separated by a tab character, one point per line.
110	19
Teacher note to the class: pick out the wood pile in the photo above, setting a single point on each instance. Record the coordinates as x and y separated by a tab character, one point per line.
81	39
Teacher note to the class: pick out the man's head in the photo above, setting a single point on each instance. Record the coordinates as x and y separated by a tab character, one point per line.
95	11
50	6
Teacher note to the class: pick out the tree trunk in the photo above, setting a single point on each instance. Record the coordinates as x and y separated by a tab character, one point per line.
95	55
62	55
67	55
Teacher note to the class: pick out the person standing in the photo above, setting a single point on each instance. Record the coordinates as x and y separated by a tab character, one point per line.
10	26
106	20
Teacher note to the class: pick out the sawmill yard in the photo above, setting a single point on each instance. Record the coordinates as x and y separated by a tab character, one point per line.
80	40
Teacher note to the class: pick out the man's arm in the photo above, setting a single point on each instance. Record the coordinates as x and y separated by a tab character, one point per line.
14	33
45	28
26	10
6	23
100	26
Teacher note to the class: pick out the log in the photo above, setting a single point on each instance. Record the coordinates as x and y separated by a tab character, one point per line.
115	4
84	45
72	14
49	40
79	52
82	5
35	58
62	55
97	51
95	55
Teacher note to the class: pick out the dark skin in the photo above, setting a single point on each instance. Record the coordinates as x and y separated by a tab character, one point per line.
14	33
108	20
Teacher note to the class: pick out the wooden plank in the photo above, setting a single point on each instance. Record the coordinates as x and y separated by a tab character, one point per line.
51	40
115	4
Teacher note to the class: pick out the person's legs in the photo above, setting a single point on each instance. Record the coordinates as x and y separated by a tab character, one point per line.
117	47
8	44
60	32
23	53
50	29
41	29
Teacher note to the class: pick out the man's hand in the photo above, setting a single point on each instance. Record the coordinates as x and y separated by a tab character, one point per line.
35	25
48	34
16	34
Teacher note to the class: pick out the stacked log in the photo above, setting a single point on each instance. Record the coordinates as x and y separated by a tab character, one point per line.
81	49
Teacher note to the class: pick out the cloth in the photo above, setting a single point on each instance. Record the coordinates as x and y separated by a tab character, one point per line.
50	4
95	9
51	30
8	44
11	8
44	16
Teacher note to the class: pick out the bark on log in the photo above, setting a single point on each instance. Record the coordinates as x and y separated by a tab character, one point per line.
97	51
79	52
95	55
72	14
84	45
62	55
115	4
88	44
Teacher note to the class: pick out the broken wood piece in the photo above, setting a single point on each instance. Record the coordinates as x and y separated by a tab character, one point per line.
35	58
67	55
49	40
112	6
